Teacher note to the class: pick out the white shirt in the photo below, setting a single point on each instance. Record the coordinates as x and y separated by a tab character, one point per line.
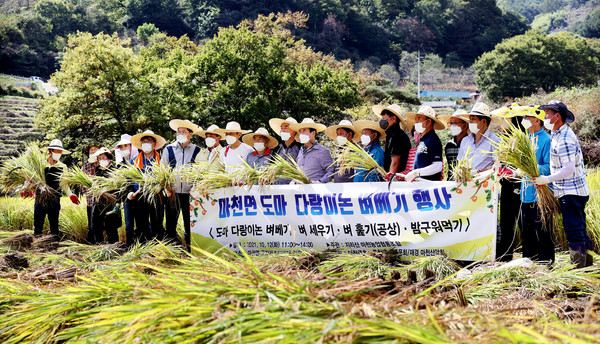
231	158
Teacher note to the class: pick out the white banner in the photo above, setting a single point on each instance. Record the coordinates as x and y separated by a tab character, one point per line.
417	219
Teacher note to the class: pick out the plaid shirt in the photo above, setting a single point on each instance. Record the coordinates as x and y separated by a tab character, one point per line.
564	148
89	168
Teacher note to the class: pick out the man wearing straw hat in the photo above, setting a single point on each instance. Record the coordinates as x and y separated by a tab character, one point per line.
178	154
103	218
428	158
481	141
314	159
236	151
146	213
263	144
397	143
212	138
342	134
536	235
48	204
567	175
289	147
458	126
371	134
125	154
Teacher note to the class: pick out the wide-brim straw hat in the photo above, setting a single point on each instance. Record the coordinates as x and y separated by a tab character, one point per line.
428	112
213	129
56	144
125	140
102	150
365	124
183	123
482	110
459	114
249	138
136	140
394	109
331	132
308	123
232	127
275	123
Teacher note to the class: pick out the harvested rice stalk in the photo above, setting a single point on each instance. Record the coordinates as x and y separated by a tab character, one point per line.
354	157
281	168
158	179
192	173
461	172
119	180
76	177
251	176
20	241
25	173
517	149
215	177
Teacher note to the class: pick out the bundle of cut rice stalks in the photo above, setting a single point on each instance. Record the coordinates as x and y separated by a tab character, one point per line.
25	173
213	177
516	149
76	177
281	168
461	172
158	180
119	181
354	157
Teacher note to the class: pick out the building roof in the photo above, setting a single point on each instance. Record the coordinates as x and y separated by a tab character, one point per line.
446	94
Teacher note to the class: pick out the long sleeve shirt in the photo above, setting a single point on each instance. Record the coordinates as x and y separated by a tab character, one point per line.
565	148
541	143
376	151
316	162
182	156
480	151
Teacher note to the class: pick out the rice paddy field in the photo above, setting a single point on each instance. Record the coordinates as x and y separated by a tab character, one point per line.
69	292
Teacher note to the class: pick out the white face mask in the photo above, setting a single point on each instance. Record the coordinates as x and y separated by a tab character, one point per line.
210	142
419	128
474	128
365	140
304	138
230	139
285	135
146	147
526	123
259	146
56	156
125	153
341	140
548	122
104	163
455	130
182	138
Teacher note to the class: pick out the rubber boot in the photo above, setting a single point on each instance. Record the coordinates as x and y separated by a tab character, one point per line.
589	260
578	254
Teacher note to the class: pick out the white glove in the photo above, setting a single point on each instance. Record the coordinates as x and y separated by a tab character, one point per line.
293	182
315	182
517	173
541	180
474	172
411	176
131	196
168	193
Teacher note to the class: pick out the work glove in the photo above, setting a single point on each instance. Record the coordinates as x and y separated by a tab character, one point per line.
541	180
131	196
74	199
411	176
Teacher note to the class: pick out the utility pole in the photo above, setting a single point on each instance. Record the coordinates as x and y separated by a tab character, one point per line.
418	73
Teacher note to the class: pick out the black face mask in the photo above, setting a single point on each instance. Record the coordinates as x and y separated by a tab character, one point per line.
384	124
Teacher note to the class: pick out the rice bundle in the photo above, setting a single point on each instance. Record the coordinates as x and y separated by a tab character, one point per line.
76	177
355	157
214	177
118	181
281	168
157	179
26	173
516	149
461	172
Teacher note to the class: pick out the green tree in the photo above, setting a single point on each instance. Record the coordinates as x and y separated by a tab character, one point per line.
521	65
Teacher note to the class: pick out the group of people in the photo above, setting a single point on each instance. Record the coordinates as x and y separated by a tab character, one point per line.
389	141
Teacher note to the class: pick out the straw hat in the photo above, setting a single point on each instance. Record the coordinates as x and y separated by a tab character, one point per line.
56	144
331	131
275	123
308	123
101	151
394	108
460	114
428	112
125	140
249	138
231	127
213	129
183	123
364	124
136	140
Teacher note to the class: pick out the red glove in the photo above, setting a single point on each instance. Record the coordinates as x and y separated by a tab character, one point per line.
74	199
505	171
389	176
24	194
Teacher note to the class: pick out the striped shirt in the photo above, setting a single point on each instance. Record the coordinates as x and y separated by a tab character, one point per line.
564	148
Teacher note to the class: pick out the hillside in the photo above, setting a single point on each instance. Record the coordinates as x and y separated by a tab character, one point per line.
16	123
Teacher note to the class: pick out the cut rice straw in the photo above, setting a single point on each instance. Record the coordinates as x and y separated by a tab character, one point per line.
354	157
281	168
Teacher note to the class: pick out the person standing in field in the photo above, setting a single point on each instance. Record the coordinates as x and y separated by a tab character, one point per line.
212	138
89	168
314	159
236	152
104	219
428	158
567	175
343	133
459	129
289	147
263	144
397	143
125	154
371	135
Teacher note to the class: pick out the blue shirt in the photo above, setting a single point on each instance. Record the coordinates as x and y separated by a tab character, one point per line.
376	151
481	152
541	144
257	160
429	151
